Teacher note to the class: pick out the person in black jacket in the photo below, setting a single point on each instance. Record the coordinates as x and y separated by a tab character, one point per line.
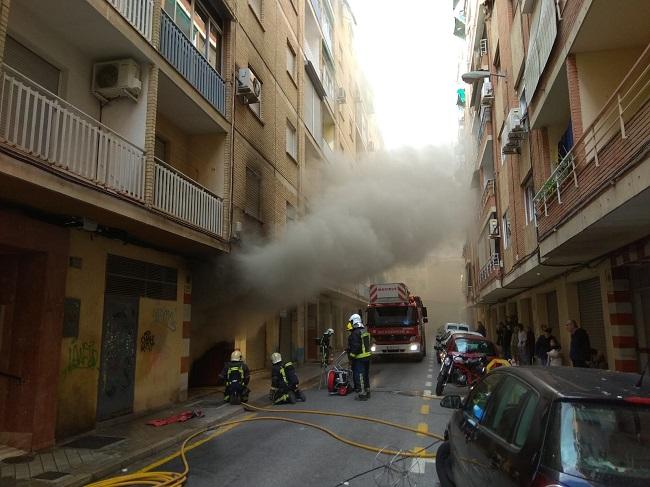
359	351
580	346
543	346
236	375
284	382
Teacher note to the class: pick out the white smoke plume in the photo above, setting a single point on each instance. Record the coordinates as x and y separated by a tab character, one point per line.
369	216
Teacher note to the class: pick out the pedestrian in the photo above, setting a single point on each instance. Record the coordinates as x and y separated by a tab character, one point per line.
236	375
500	332
481	328
359	350
598	360
507	338
522	348
284	382
554	355
530	345
542	346
580	346
514	344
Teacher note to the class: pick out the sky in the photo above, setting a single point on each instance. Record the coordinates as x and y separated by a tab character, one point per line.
410	56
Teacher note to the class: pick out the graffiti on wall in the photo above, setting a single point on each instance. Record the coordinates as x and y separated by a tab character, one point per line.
82	355
165	316
147	341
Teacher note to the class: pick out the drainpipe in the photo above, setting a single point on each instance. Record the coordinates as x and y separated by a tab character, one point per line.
232	126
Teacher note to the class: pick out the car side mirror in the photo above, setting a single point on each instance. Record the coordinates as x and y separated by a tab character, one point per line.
451	401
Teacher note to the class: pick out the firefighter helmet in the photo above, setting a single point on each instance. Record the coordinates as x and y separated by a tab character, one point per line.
355	319
349	326
329	331
275	358
235	356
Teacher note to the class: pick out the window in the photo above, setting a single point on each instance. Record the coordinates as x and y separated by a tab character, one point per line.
253	194
32	65
292	141
529	201
477	400
291	213
513	410
256	6
257	107
160	149
291	61
505	222
204	31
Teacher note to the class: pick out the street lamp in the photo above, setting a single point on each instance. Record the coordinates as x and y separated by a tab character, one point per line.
472	76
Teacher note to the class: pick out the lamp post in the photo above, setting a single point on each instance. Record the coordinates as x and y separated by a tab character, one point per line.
472	76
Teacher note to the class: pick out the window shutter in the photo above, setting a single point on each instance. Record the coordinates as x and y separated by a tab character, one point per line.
590	304
253	193
31	65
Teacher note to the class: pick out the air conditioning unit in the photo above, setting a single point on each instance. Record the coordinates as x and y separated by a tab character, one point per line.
483	47
114	79
249	87
494	227
340	95
487	93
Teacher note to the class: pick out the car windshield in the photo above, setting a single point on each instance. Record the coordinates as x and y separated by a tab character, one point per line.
464	345
602	442
392	316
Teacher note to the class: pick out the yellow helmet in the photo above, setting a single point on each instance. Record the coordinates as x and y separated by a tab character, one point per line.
349	326
235	356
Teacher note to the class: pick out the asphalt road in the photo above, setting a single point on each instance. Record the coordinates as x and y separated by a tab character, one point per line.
284	455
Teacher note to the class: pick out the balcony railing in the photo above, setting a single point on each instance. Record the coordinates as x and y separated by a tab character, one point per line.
618	136
185	199
488	192
194	67
139	13
46	127
490	270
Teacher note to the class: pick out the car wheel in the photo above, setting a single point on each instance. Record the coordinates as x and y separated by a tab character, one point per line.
443	465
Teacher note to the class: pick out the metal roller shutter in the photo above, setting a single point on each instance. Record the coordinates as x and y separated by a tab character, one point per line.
590	305
32	65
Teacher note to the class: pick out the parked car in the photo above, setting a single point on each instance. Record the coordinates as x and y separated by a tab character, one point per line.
548	427
444	331
465	359
441	343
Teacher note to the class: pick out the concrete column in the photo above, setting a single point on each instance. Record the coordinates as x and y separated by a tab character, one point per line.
187	333
621	350
4	23
150	134
575	105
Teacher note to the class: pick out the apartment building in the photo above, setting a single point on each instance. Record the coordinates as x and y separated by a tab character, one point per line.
557	137
132	155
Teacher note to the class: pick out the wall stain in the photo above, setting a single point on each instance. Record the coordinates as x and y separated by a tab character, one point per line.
147	341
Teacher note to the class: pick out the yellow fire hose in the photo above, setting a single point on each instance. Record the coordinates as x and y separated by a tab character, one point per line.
177	479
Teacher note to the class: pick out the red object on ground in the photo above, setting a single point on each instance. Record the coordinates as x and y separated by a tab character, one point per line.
176	418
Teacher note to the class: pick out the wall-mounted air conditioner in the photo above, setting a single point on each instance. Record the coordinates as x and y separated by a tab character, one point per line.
114	79
249	87
340	95
494	228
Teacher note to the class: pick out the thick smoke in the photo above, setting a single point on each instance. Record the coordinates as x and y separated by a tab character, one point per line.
368	216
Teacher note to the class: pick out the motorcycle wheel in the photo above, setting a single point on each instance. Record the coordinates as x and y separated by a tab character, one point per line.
440	385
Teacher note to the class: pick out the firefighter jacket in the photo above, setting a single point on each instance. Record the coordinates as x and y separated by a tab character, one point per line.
359	343
235	371
283	375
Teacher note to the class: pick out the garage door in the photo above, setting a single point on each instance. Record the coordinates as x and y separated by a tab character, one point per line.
591	313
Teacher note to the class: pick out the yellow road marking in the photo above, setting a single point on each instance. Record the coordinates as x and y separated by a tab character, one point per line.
192	446
424	409
423	427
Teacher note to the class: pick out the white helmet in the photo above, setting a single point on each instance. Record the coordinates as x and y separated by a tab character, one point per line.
355	319
275	358
329	331
235	356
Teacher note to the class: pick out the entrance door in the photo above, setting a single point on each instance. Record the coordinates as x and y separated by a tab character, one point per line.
285	336
117	371
590	303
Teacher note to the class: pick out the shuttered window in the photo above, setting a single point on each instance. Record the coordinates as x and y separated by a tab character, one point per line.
543	33
590	305
253	193
136	278
31	65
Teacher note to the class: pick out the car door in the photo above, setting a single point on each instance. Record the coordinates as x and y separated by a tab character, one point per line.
468	470
504	432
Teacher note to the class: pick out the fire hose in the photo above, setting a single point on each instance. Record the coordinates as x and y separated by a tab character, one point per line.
177	479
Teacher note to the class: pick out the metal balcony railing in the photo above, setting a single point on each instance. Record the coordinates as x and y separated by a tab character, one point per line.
139	13
185	199
618	134
191	64
46	127
490	270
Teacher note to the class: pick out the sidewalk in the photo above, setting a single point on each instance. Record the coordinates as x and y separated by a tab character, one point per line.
63	466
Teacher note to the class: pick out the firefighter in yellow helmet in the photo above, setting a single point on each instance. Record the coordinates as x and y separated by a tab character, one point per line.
359	352
236	375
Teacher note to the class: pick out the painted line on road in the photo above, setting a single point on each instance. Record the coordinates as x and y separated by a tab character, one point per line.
418	465
423	428
424	409
427	384
192	446
429	376
430	369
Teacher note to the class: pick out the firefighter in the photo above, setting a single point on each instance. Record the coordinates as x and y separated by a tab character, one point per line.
284	382
237	376
355	380
359	351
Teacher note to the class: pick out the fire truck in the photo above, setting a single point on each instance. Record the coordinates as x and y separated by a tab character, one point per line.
395	320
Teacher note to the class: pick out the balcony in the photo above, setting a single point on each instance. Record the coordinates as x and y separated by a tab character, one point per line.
616	141
490	271
139	13
44	127
488	201
179	51
186	200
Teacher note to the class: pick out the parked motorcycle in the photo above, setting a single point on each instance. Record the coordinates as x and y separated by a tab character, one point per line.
460	370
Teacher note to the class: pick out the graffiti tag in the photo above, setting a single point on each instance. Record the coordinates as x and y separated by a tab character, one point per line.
165	316
82	355
147	341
